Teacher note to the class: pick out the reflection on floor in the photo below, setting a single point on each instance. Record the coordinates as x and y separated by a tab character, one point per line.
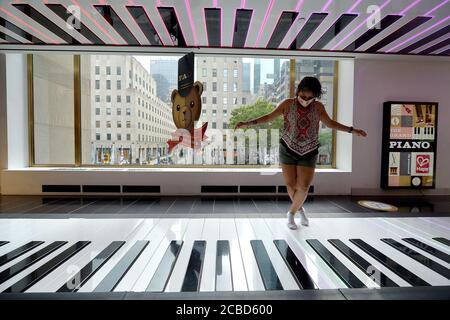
317	206
193	256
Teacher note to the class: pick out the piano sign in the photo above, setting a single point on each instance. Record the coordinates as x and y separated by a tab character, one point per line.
409	145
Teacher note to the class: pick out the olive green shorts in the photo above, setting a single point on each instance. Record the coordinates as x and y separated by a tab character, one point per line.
287	158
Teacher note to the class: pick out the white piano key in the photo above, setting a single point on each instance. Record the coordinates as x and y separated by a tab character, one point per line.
101	233
34	266
139	233
211	233
368	232
193	232
407	231
155	236
326	230
263	233
344	232
166	231
415	224
245	234
228	232
320	273
398	235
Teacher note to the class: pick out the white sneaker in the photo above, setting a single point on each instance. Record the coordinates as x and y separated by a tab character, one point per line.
291	222
303	219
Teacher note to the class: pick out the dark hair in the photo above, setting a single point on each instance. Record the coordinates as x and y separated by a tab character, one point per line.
310	84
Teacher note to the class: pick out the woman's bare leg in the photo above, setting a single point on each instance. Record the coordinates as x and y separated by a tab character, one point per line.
305	175
290	178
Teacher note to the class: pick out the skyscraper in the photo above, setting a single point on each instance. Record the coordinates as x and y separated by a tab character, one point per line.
276	69
246	77
165	73
256	76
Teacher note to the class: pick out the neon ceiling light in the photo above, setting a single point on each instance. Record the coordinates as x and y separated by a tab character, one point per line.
435	8
24	23
266	17
94	21
412	5
299	5
359	26
354	6
418	34
191	21
326	6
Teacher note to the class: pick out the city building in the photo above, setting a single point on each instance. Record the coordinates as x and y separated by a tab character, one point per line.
129	122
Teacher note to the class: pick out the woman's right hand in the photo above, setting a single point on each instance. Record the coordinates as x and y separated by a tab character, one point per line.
240	124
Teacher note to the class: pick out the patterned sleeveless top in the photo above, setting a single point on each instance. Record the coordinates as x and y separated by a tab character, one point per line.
301	128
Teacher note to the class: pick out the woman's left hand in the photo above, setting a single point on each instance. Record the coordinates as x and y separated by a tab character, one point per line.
359	132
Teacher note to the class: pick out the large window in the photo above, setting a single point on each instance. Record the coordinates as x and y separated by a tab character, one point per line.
241	89
324	71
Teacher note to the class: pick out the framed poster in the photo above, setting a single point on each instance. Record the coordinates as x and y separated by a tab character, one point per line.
409	145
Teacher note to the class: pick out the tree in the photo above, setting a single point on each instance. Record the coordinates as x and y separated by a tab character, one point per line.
249	112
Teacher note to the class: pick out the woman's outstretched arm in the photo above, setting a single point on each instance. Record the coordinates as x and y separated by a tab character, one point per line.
278	111
330	123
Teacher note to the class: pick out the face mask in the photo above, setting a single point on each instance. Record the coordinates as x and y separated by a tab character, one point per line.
305	103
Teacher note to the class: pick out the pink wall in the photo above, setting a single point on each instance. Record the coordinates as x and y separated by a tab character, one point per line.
377	81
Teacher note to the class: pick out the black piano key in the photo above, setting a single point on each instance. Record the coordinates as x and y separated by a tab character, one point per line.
193	274
91	268
38	274
121	268
376	275
433	265
297	270
402	272
30	260
224	281
19	251
165	267
443	240
2	243
266	269
337	266
433	251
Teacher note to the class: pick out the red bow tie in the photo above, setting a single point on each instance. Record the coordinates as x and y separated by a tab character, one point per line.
196	137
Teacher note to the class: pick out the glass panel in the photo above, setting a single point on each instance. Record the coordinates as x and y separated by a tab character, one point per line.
139	134
324	71
53	84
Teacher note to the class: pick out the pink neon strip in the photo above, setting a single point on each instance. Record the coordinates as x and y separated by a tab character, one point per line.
191	21
435	8
354	6
409	7
359	26
299	5
242	4
418	34
215	3
266	17
28	25
94	21
325	8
